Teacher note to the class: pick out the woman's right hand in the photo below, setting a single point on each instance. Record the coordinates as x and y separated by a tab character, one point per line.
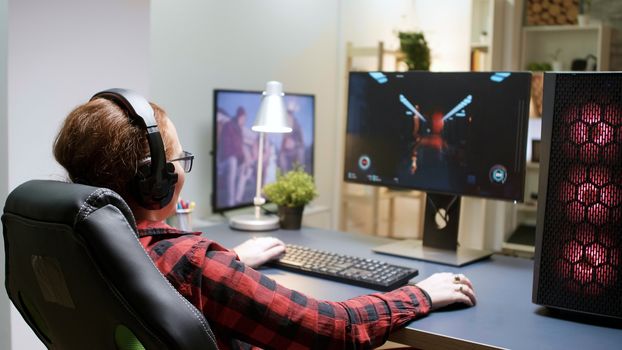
447	288
257	251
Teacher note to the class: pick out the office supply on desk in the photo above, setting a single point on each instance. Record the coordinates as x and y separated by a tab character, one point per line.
183	215
182	219
369	273
578	260
448	134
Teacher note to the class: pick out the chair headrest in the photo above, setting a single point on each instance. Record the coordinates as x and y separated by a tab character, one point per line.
61	202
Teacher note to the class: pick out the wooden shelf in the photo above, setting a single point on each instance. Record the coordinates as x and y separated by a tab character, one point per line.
540	43
561	28
527	208
481	46
486	35
533	166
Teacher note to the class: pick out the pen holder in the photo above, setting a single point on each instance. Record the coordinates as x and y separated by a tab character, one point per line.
182	219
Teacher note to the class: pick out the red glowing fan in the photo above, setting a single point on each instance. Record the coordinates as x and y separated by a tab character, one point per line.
578	263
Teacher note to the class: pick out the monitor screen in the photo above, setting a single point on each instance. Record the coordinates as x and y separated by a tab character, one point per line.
236	145
451	133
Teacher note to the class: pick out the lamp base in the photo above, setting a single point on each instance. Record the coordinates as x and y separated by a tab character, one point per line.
250	222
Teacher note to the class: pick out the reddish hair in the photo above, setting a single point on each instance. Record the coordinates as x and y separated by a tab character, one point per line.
99	145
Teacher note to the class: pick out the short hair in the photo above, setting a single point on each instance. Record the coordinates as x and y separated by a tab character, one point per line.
100	146
240	112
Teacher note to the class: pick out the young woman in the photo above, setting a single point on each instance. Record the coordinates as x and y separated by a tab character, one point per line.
100	145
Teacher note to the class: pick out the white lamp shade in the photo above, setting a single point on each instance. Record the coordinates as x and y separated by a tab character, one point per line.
272	116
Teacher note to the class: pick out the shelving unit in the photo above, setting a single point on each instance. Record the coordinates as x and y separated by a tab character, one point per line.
522	240
370	199
378	53
486	35
527	210
539	44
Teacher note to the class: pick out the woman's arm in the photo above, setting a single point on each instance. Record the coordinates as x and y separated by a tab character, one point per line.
249	306
242	303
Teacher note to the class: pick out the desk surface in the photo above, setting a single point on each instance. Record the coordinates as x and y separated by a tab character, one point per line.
504	317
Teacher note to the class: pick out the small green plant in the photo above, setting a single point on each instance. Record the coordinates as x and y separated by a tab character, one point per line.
415	49
292	189
539	66
584	6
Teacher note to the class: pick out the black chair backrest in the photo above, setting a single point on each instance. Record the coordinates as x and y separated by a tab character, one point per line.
81	279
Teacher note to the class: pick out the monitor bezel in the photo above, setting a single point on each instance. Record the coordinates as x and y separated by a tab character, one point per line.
214	152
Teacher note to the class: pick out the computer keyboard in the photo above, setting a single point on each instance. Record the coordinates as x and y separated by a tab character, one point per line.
363	272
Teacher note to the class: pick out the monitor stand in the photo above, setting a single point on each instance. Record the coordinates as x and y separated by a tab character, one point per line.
440	236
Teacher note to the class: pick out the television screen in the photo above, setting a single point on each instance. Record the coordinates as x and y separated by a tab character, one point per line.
452	133
236	145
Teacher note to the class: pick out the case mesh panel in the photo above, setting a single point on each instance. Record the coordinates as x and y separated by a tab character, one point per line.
581	262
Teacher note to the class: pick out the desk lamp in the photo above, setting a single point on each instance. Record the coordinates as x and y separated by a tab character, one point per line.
272	117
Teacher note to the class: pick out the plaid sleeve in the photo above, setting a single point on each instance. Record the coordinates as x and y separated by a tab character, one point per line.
242	303
247	305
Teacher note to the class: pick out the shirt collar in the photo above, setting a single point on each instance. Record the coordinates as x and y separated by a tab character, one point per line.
154	228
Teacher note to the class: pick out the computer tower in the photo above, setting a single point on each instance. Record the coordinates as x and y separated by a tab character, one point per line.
578	258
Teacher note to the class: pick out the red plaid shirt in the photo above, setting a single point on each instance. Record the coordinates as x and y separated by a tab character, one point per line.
245	307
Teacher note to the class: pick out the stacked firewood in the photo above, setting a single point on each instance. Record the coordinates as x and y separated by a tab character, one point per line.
551	12
535	106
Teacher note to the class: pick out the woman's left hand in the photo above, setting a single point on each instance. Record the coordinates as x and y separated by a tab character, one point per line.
257	251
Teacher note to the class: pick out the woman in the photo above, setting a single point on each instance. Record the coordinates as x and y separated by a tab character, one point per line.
99	145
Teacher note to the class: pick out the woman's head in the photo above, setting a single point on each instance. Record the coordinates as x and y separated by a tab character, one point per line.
99	145
240	116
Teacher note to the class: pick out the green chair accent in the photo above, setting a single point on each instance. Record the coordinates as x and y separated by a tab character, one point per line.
126	340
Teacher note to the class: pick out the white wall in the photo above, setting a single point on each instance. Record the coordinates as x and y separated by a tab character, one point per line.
445	23
366	22
5	325
60	53
200	45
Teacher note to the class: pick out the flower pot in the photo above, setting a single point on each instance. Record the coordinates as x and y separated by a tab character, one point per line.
290	218
583	19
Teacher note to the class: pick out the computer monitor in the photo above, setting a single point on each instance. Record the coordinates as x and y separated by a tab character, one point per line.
447	134
235	145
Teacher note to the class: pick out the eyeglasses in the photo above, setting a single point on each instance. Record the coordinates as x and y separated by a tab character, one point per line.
185	161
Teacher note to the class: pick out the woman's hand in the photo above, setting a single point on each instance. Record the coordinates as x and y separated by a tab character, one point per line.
448	288
257	251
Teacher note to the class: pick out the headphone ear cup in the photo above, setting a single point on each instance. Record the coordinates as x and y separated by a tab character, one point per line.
150	193
141	186
170	169
171	179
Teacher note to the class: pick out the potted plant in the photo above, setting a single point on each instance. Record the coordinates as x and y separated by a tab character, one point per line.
539	66
583	18
291	192
415	49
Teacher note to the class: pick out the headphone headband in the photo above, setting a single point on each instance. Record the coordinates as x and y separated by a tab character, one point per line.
154	184
137	107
